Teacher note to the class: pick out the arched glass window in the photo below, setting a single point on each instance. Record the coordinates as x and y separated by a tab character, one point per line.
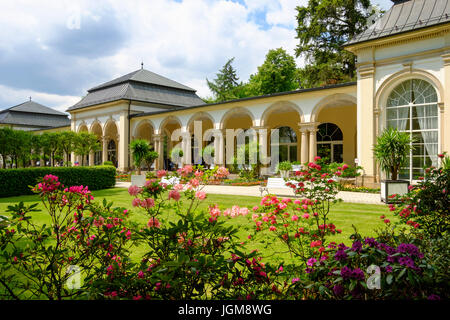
412	107
330	142
288	144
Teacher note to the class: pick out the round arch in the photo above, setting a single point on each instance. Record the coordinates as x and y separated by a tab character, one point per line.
141	123
200	115
83	127
108	124
230	113
336	99
167	121
96	128
144	130
281	106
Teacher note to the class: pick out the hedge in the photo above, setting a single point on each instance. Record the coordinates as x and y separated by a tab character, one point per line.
16	182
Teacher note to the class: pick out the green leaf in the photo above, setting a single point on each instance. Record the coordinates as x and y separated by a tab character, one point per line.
389	279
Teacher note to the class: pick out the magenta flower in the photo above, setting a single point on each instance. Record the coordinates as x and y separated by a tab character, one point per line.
134	190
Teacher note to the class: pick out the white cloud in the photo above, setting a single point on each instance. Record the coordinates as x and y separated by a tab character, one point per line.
12	97
185	41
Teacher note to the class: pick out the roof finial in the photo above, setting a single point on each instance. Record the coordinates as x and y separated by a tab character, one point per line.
30	98
142	65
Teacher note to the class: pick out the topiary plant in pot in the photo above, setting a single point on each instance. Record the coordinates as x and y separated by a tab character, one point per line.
139	149
391	153
284	168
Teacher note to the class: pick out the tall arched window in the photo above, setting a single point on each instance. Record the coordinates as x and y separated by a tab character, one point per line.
412	107
329	142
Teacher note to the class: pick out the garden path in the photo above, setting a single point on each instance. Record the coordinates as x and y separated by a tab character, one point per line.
347	196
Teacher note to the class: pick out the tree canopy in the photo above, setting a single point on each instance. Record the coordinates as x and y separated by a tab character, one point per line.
323	27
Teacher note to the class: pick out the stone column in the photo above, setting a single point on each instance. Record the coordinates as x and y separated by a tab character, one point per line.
312	143
159	147
186	147
123	148
365	120
304	145
104	149
444	105
91	159
219	140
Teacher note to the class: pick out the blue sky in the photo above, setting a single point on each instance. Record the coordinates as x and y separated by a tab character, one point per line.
54	51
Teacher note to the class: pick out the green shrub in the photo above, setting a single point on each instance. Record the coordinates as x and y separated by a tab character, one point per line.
108	163
16	182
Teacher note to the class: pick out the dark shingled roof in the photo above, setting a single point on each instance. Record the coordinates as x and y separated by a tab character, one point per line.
34	107
406	16
144	86
32	114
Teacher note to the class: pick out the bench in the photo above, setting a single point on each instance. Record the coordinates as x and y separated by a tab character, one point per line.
279	183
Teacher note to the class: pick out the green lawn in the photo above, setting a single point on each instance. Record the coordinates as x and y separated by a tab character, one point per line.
364	217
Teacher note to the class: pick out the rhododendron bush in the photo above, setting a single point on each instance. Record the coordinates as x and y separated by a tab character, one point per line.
37	260
302	224
188	251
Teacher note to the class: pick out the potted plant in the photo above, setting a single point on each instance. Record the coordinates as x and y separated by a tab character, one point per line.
284	168
296	166
150	157
177	155
391	152
208	155
139	149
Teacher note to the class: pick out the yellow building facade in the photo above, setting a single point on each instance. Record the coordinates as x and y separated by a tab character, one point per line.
403	81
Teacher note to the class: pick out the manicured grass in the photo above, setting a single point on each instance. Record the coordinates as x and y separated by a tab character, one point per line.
365	217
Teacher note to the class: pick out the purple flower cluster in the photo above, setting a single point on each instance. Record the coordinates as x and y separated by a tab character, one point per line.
409	248
357	246
389	250
340	255
371	242
338	290
348	273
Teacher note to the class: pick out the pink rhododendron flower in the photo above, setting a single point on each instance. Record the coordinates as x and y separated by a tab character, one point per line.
134	190
255	208
147	203
198	173
136	202
178	187
222	172
201	195
214	211
306	216
243	211
294	218
194	183
153	223
161	173
174	194
311	262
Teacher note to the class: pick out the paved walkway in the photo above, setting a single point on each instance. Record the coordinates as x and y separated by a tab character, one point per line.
347	196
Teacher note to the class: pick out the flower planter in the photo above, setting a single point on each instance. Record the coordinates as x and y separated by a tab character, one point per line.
284	173
393	187
296	167
138	180
346	182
